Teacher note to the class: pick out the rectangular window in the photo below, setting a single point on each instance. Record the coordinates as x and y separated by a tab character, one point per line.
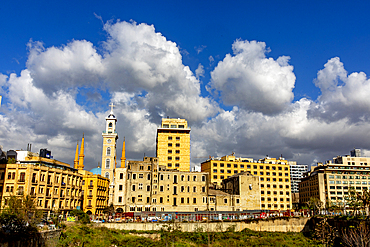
120	187
120	199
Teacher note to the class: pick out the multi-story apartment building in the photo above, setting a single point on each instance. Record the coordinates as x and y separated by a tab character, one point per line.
152	187
331	181
173	144
54	184
296	174
95	192
274	175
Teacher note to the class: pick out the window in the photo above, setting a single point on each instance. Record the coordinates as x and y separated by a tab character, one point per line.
214	176
121	176
148	188
120	199
108	151
170	144
177	158
107	163
170	138
120	187
161	188
177	151
140	186
133	187
169	151
194	200
178	137
225	200
194	178
177	145
203	178
222	171
107	175
134	176
169	158
141	175
194	189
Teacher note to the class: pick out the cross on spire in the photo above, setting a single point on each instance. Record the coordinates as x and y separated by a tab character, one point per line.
111	105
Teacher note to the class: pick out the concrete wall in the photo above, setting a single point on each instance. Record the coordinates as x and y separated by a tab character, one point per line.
278	225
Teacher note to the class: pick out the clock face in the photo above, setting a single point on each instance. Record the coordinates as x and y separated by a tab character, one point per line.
109	141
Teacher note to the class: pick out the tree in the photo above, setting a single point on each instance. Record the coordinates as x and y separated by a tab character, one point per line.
82	216
314	204
325	233
19	218
109	210
359	200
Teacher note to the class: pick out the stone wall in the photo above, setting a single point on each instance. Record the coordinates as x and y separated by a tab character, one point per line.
277	225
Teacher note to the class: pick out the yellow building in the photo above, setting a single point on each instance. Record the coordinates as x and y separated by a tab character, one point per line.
331	181
53	184
274	177
173	144
95	191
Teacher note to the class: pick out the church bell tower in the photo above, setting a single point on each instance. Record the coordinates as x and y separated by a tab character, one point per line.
110	137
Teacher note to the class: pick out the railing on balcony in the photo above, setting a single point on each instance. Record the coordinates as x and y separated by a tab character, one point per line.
91	186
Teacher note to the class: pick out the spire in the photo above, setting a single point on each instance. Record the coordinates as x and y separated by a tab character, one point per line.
81	160
123	158
75	162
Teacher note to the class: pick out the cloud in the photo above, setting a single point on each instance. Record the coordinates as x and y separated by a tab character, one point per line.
199	72
252	81
342	96
142	72
200	48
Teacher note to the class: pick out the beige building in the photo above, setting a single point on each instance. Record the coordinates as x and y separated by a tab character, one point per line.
173	144
54	184
331	181
152	187
274	176
147	186
245	190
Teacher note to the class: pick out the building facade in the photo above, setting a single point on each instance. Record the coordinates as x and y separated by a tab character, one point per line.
274	176
173	144
95	193
331	181
53	184
296	174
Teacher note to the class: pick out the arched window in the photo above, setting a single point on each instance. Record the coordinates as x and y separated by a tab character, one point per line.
107	175
108	151
107	163
110	125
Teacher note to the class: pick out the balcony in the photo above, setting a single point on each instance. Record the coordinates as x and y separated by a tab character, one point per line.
90	196
34	181
89	207
21	181
91	186
63	184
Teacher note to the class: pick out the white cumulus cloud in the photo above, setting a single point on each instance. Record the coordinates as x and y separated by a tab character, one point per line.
252	81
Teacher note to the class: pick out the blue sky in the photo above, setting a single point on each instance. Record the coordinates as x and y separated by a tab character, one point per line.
233	102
